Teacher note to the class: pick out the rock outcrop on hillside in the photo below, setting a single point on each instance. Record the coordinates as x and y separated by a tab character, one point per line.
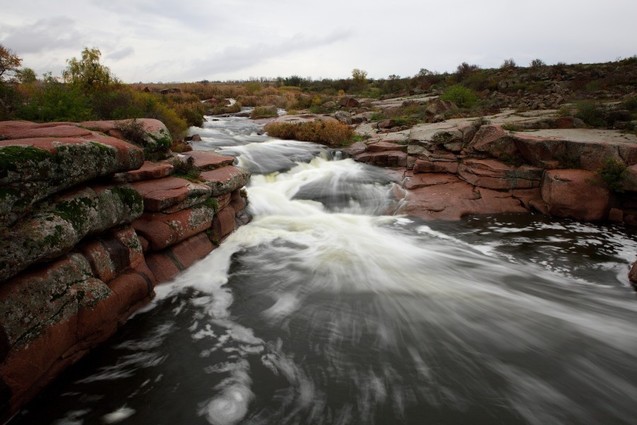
88	228
510	162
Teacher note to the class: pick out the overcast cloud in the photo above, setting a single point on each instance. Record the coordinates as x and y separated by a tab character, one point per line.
191	40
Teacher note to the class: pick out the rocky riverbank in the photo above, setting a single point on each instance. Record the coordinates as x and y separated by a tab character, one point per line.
536	161
88	227
509	163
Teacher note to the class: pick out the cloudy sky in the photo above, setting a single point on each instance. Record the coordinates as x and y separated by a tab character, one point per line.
191	40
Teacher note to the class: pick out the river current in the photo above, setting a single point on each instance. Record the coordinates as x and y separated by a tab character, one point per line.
326	309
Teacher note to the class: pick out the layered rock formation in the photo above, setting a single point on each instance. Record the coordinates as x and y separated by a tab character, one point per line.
87	229
461	167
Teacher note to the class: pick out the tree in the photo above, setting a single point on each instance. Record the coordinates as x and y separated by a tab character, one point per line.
464	70
9	61
508	64
360	78
537	63
88	73
26	75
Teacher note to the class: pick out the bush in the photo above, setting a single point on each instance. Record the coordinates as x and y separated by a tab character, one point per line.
613	174
462	96
591	113
537	63
264	112
330	133
54	101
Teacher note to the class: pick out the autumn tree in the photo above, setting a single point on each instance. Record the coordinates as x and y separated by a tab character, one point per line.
360	79
9	98
26	76
88	73
9	61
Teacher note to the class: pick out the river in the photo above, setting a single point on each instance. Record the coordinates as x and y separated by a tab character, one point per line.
326	310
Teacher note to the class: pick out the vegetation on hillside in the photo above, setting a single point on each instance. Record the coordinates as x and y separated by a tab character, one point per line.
88	90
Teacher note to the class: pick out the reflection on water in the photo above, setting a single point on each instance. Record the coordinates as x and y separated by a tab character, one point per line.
324	311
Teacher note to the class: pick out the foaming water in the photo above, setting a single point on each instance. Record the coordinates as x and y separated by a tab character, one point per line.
323	310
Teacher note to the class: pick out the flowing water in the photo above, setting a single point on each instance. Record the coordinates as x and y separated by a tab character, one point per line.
323	310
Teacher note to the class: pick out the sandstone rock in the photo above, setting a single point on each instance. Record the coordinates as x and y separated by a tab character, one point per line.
132	290
629	179
493	140
114	253
531	199
577	194
59	224
616	215
32	169
167	264
32	301
225	179
493	174
383	159
439	107
148	171
206	160
385	147
191	250
150	134
238	200
163	230
163	265
344	117
27	130
355	148
416	181
429	166
222	201
224	223
172	193
452	201
348	102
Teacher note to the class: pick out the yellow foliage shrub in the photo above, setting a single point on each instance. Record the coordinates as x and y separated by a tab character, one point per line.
330	133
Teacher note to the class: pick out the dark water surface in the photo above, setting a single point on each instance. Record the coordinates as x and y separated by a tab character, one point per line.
325	311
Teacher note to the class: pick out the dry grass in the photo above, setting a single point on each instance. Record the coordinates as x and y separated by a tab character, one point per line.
330	133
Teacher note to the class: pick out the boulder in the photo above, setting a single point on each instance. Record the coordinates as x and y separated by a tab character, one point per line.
577	194
206	160
494	141
415	181
493	174
32	301
629	179
171	194
223	224
454	200
148	171
33	168
348	102
383	158
163	230
60	223
115	252
432	166
344	117
438	107
225	179
150	134
166	264
28	130
384	146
